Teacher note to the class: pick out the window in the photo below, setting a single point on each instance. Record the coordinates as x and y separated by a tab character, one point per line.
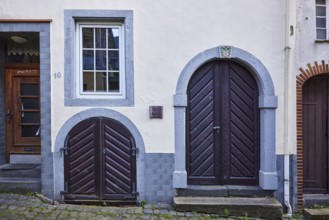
98	58
100	66
321	20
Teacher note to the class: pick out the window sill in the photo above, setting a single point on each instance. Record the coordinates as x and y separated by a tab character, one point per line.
124	102
321	41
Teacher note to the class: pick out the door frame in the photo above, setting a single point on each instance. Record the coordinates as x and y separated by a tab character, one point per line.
90	113
304	74
268	179
43	28
99	151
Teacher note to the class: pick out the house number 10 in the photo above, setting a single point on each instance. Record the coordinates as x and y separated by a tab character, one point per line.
57	75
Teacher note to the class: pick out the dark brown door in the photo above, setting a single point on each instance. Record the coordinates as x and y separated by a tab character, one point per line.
23	111
222	126
100	161
315	135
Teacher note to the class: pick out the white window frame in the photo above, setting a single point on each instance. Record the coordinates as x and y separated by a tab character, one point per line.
79	62
326	17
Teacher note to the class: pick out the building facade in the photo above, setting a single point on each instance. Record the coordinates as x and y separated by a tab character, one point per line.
133	100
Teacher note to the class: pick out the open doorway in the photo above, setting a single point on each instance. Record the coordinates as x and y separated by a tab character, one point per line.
20	99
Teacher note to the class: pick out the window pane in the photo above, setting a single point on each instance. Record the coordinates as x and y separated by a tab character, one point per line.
321	2
113	38
88	37
30	103
101	82
114	85
88	60
100	37
30	117
321	22
30	131
113	60
100	60
321	34
88	81
320	11
30	89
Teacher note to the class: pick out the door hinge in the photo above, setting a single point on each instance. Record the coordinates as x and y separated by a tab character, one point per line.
134	191
63	193
65	149
134	149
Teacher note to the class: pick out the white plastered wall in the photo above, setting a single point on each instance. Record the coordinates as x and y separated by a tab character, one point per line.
307	49
167	35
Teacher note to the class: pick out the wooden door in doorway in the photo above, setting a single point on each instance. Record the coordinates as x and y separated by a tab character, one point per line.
315	135
100	162
23	111
222	126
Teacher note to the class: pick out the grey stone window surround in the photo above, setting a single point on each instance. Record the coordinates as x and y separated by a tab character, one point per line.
70	19
98	112
268	179
43	28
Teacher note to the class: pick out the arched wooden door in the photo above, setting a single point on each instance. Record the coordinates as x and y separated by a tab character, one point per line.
100	162
222	126
315	134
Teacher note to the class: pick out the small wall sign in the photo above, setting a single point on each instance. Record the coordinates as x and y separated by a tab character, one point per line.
156	112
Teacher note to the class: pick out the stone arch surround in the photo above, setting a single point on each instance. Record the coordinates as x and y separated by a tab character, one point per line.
97	112
267	104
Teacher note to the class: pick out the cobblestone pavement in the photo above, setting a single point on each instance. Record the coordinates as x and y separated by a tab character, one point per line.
15	206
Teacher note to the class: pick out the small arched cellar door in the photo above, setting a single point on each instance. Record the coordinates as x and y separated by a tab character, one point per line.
315	134
100	162
222	126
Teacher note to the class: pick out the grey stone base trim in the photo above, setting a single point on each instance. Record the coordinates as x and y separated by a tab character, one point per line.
158	177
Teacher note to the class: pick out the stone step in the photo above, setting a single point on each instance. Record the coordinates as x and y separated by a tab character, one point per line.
224	191
316	200
20	184
231	206
317	214
20	170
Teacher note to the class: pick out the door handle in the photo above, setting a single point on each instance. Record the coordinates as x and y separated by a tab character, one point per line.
217	128
9	115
